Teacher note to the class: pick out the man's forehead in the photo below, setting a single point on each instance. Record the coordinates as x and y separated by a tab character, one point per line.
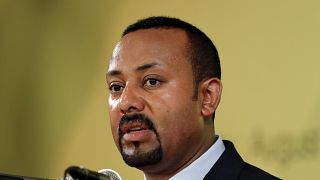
161	36
147	46
139	68
115	51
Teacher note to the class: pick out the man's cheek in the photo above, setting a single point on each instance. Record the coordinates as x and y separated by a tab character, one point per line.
113	104
114	126
115	135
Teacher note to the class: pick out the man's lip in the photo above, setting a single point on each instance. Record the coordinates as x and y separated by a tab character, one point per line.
133	126
138	136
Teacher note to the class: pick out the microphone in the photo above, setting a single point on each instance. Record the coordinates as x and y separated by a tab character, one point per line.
109	172
81	173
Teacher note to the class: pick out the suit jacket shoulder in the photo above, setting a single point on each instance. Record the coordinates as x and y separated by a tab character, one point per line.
230	166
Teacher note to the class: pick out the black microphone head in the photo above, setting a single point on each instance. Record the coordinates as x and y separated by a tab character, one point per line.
77	172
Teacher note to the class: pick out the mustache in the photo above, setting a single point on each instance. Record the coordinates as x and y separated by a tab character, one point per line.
136	117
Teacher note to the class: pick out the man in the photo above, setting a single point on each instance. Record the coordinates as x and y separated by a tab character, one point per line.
164	82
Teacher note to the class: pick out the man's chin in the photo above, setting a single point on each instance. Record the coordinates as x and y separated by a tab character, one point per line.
138	158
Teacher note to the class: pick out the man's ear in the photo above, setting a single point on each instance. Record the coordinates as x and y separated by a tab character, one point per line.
211	92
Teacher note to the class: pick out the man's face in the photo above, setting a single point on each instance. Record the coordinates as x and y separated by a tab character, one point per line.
154	121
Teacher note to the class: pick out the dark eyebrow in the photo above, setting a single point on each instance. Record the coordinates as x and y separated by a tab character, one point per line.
146	66
139	68
113	73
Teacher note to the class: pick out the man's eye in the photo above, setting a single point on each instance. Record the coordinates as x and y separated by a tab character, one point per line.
152	82
115	88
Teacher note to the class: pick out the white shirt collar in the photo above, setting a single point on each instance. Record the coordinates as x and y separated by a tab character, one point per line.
201	166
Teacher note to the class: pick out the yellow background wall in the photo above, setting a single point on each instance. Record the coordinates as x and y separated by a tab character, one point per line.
53	57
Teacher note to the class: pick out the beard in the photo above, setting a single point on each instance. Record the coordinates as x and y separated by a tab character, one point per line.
138	157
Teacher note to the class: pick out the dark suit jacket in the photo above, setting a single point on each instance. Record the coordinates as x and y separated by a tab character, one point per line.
230	166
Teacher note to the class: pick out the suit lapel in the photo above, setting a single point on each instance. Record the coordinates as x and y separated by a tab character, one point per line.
228	166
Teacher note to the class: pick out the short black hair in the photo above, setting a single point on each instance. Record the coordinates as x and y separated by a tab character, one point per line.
202	53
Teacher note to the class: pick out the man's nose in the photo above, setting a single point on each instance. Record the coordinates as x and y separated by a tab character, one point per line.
131	101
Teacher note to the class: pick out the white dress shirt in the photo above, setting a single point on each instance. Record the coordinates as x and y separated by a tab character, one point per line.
201	166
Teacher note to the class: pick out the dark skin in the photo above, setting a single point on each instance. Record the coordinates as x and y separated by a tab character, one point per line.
149	73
